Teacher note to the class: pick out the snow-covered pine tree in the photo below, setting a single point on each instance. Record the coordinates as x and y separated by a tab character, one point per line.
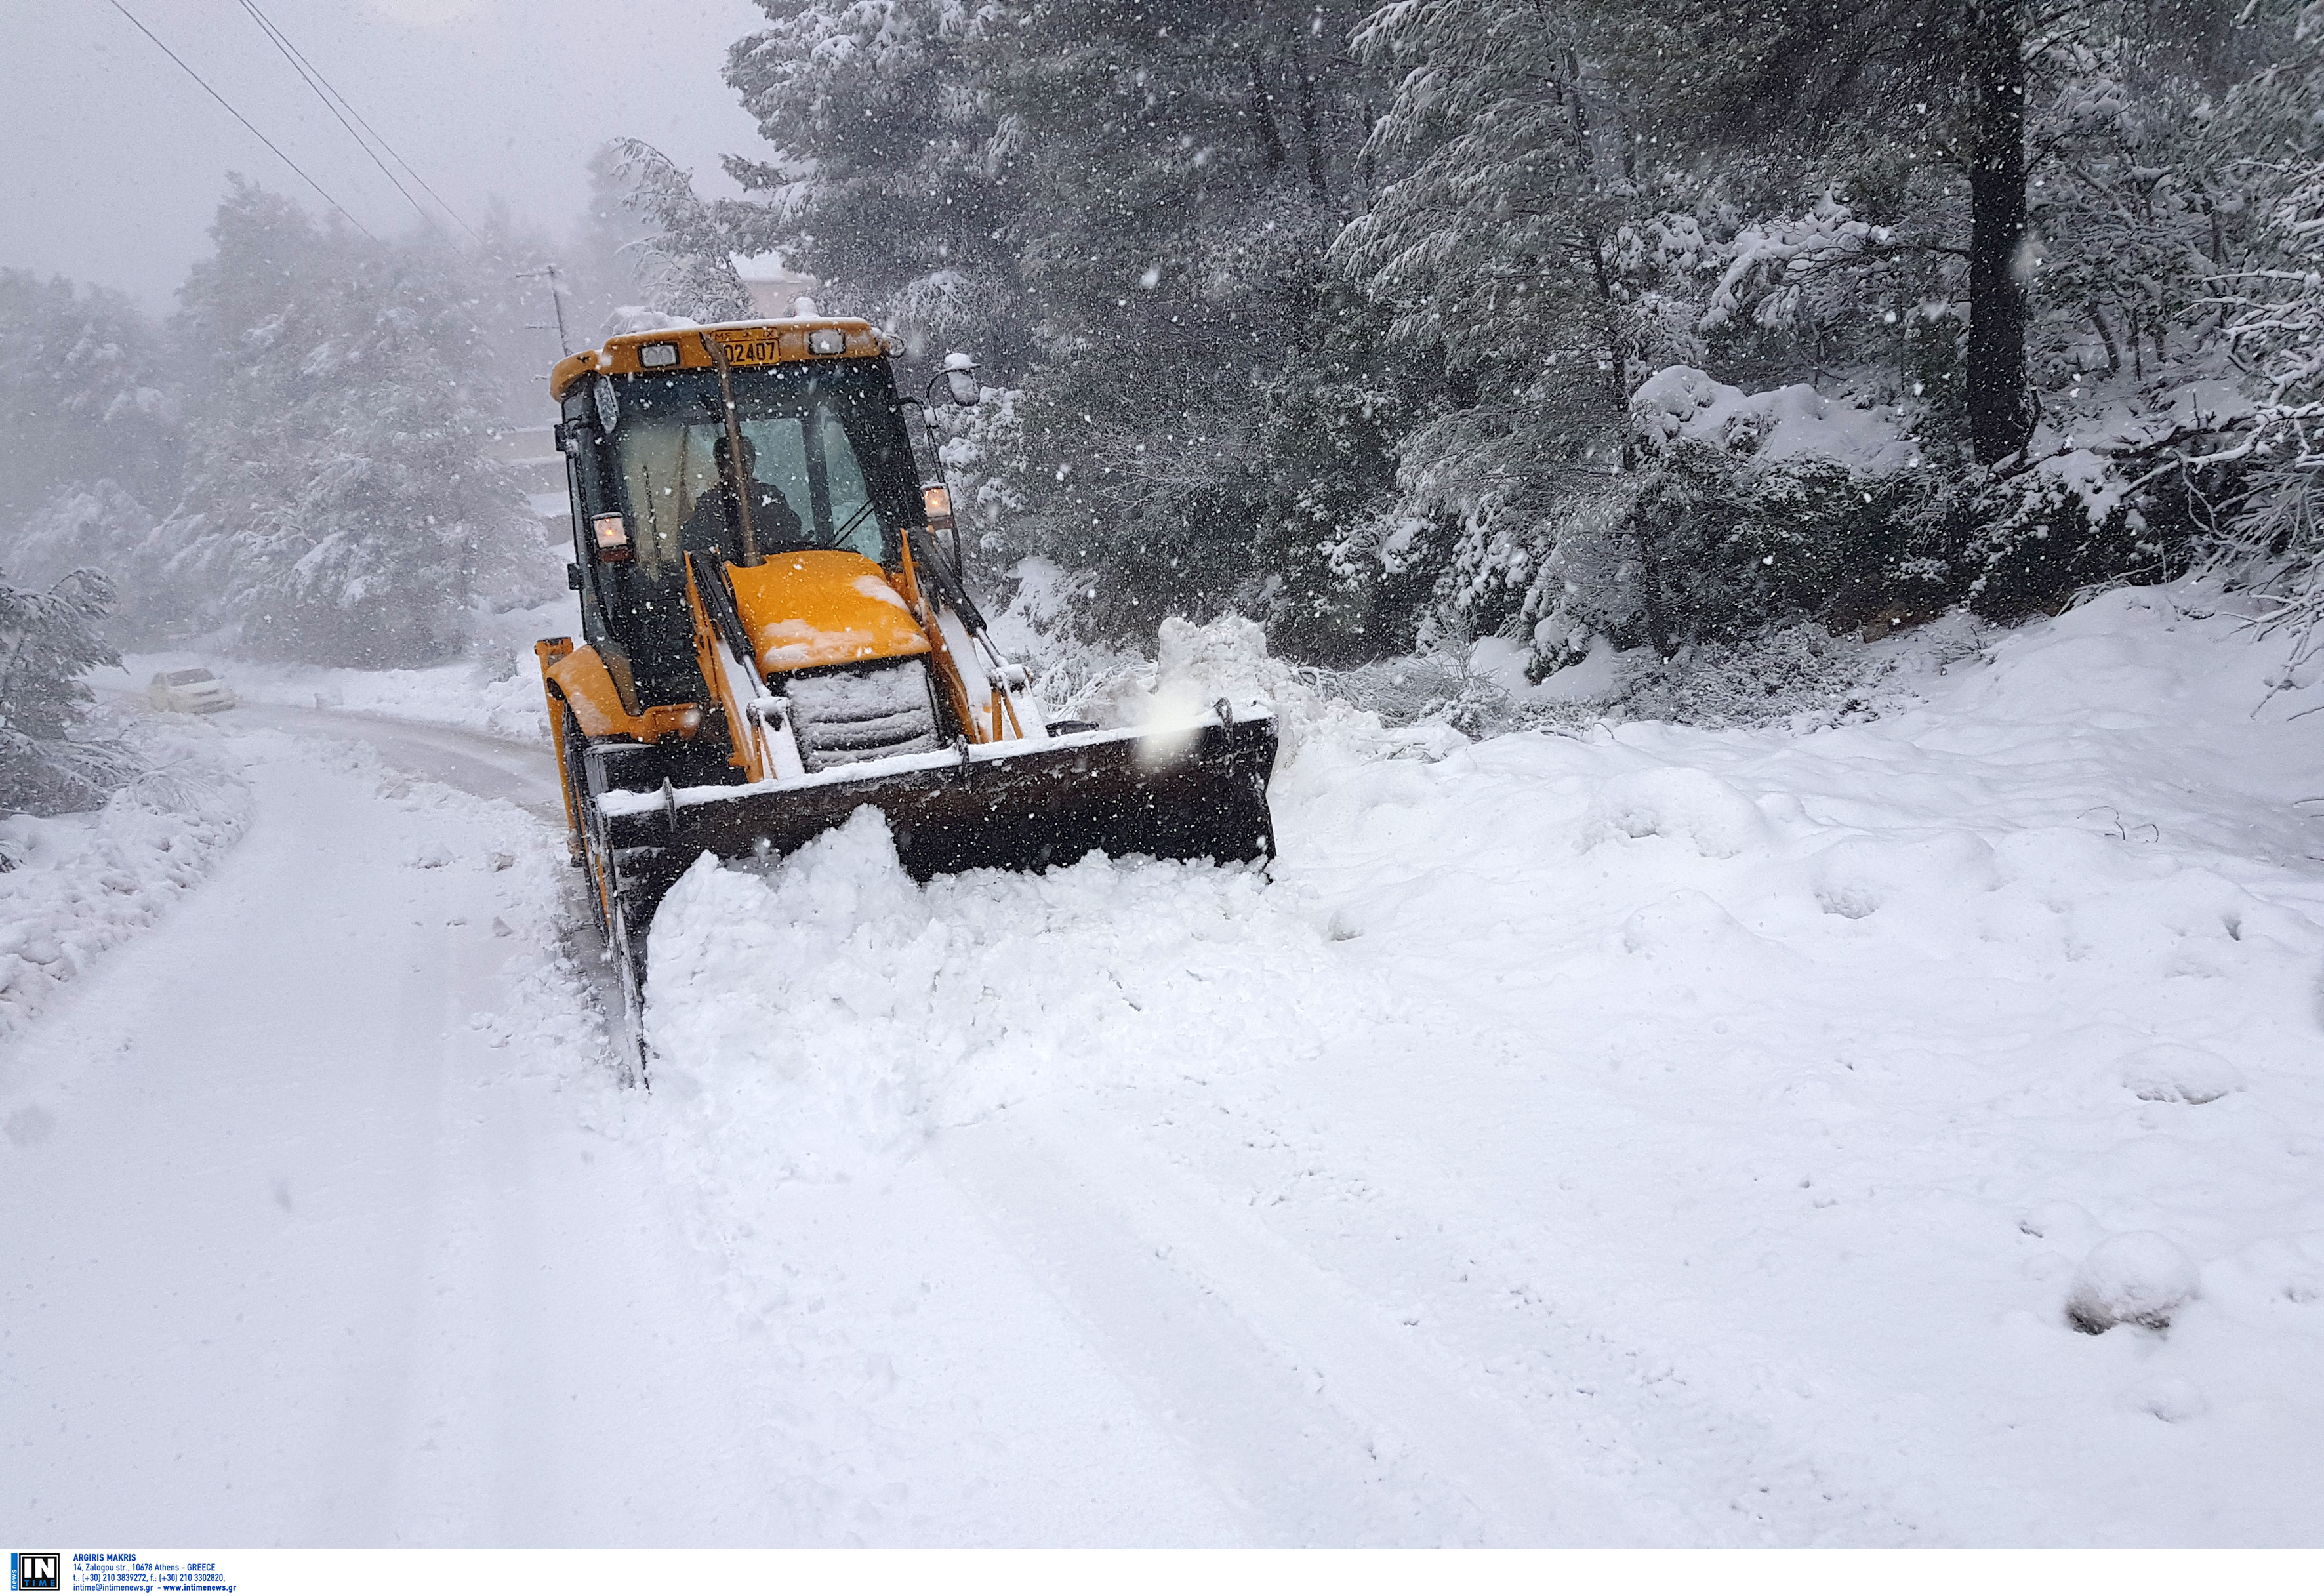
341	504
889	174
1939	79
1509	174
1184	173
102	526
48	637
686	263
84	394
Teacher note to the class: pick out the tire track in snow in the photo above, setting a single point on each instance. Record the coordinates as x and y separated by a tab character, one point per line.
1284	1387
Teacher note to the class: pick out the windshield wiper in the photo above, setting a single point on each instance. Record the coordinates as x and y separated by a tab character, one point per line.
840	536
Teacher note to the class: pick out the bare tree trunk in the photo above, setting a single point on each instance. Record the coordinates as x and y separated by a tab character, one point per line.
1650	596
1999	417
1271	155
1309	128
2112	340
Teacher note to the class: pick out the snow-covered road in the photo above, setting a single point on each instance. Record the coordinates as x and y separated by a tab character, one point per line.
1654	1137
306	1254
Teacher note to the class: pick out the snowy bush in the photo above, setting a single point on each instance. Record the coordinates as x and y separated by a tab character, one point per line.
2042	542
1792	671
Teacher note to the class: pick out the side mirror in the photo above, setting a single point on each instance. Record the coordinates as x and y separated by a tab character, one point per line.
960	373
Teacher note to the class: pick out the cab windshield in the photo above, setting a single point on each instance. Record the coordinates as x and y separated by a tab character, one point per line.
832	466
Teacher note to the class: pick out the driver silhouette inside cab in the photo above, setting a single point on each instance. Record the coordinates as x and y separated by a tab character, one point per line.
715	524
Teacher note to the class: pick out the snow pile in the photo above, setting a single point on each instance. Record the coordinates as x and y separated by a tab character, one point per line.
2169	1073
1689	806
830	1007
1859	875
83	883
2141	1278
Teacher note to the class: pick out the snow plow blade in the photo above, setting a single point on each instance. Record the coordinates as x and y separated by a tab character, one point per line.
1196	792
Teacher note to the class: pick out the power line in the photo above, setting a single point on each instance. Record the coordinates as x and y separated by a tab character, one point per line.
246	122
298	60
292	56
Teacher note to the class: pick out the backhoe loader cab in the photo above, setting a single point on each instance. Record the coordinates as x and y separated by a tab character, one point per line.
775	633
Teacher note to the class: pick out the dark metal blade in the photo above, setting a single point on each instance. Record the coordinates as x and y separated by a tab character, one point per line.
1049	805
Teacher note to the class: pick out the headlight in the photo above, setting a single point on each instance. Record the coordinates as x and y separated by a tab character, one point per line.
612	536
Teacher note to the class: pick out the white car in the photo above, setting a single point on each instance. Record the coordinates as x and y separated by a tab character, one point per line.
194	691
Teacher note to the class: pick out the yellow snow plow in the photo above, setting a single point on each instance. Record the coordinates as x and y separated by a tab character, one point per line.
775	635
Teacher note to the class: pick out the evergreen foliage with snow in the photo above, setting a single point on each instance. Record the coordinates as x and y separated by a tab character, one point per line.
1343	316
299	467
85	395
2269	142
341	507
49	638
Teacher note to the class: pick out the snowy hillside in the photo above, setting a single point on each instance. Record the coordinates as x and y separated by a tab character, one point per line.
1654	1136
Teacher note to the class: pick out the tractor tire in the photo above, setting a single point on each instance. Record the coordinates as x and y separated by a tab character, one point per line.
609	908
594	861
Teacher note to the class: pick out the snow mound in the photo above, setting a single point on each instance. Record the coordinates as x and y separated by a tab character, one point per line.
2138	1278
2172	1073
746	1000
1687	924
829	1009
1855	875
1685	804
2172	1398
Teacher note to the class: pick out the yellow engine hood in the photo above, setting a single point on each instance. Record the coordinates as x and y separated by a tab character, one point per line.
823	607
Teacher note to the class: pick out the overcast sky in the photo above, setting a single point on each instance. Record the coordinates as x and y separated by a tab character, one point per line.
112	159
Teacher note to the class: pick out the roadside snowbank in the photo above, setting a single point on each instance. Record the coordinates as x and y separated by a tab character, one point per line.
1763	1121
83	883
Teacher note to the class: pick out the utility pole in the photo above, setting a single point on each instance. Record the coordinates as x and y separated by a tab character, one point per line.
557	302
